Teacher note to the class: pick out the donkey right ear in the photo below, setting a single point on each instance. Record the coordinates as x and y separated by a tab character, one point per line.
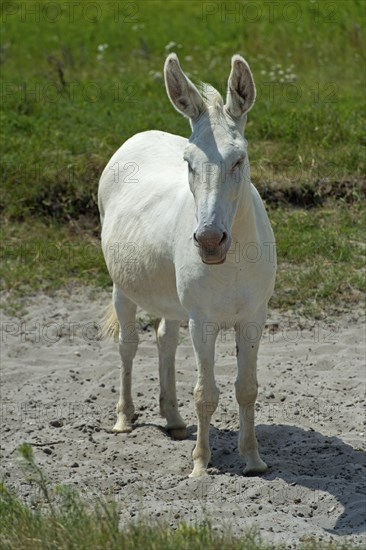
182	92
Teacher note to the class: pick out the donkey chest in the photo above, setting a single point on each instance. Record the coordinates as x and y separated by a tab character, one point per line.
228	294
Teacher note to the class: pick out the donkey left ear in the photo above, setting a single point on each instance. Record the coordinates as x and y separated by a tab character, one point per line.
241	88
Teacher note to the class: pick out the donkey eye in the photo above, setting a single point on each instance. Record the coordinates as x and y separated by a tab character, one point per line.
238	164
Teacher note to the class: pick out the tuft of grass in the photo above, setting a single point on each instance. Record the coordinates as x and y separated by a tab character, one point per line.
61	519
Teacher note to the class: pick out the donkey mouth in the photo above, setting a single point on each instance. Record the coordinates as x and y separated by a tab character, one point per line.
212	256
213	262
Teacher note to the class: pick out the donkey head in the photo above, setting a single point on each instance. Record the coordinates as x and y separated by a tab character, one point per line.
216	153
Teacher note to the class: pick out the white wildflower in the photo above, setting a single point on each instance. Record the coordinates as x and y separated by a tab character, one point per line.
170	46
102	48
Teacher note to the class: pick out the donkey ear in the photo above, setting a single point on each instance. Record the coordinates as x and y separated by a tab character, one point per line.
182	93
241	88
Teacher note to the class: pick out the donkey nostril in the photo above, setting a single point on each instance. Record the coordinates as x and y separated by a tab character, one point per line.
210	239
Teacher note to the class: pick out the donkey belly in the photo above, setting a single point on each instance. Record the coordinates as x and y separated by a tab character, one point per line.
140	214
146	278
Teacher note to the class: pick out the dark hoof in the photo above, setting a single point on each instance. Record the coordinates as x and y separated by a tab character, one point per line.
178	433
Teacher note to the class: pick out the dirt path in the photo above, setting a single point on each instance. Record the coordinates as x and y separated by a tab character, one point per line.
60	386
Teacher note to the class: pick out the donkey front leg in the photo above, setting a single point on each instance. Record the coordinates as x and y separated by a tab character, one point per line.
246	387
167	338
128	341
206	393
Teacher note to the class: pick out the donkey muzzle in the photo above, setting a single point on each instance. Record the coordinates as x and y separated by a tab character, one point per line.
212	244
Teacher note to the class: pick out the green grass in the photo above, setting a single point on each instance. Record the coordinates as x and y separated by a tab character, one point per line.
65	111
48	256
322	257
68	104
59	518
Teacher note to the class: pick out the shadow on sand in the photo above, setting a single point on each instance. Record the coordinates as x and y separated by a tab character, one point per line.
306	458
300	457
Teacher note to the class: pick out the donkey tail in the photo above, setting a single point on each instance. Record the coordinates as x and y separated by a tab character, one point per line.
110	324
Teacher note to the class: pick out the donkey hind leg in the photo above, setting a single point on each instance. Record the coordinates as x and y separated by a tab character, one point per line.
128	341
246	388
167	340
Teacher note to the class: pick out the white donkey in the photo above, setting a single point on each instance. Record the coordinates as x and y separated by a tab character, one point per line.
186	237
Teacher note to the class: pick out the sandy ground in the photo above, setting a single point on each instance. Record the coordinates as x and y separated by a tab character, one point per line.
59	389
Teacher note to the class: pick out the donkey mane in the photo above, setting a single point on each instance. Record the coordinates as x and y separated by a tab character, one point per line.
211	96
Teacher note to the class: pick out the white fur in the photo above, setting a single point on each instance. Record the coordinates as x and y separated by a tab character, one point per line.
153	207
